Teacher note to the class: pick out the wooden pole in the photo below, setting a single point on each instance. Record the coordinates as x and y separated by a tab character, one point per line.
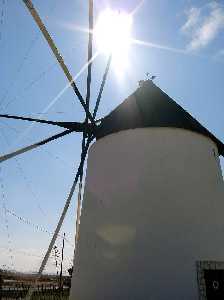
62	258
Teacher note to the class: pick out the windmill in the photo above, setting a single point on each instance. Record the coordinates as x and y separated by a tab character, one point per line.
155	225
152	214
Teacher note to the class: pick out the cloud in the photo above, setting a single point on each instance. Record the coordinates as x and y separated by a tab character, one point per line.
203	25
193	16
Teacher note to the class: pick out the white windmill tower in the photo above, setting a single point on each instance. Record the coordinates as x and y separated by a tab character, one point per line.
152	220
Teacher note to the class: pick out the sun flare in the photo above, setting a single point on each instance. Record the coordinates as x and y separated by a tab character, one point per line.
113	35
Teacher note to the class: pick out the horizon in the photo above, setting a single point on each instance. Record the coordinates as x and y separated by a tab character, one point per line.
179	43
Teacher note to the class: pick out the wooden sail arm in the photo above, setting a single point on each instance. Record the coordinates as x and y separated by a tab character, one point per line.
61	220
102	86
58	56
90	53
33	146
74	126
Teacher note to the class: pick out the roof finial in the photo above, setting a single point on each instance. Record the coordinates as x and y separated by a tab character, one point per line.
150	78
141	82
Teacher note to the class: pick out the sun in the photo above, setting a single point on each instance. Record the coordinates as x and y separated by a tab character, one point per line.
113	35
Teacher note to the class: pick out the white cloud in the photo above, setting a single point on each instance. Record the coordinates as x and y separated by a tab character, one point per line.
203	25
193	16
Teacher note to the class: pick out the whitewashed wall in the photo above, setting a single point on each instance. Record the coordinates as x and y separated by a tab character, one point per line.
153	206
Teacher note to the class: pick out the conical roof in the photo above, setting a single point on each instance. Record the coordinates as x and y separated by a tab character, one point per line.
149	106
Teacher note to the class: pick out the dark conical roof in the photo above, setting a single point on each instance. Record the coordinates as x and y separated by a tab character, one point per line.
149	106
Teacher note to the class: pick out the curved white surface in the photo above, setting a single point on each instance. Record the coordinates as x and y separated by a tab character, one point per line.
153	206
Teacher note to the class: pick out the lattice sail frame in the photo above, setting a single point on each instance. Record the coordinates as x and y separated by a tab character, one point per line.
88	127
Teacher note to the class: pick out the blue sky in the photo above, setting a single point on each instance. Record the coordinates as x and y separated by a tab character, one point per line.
185	52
